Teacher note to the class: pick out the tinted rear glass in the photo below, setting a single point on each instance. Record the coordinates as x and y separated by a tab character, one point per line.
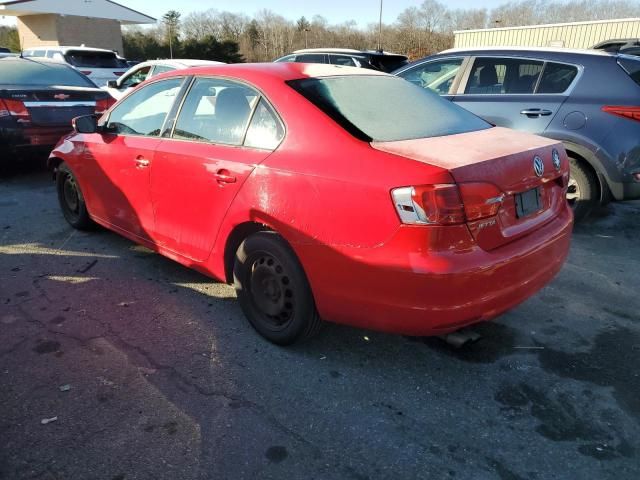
389	63
89	59
556	78
30	72
386	109
632	67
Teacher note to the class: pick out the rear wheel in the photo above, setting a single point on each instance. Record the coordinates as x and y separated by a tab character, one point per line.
583	192
71	199
273	290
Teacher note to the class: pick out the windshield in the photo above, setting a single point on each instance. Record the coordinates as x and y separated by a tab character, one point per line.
386	109
92	59
30	72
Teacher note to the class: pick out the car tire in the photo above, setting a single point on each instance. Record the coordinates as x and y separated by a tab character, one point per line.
583	192
273	290
71	199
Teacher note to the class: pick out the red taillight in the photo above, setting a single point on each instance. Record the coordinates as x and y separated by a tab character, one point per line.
429	204
86	72
118	74
104	105
632	113
15	108
481	200
447	204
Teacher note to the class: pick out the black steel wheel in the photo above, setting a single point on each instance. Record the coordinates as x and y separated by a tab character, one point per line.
273	290
71	199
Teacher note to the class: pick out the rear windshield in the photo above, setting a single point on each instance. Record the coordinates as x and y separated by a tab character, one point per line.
89	59
632	67
389	63
30	72
385	108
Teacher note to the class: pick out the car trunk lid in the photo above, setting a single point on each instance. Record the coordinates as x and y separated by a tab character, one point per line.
512	170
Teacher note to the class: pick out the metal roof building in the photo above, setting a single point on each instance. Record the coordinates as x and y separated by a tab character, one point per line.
570	35
94	23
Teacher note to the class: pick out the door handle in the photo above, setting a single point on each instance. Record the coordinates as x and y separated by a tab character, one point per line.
536	112
224	176
142	162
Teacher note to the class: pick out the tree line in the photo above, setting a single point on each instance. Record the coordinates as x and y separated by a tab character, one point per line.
416	32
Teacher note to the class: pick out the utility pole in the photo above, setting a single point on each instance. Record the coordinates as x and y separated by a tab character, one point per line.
380	29
170	43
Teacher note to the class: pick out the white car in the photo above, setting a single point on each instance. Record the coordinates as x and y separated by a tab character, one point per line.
96	63
142	71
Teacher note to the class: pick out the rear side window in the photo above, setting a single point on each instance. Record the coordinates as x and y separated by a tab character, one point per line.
158	69
503	76
632	67
386	109
556	78
265	130
31	72
92	59
343	60
216	111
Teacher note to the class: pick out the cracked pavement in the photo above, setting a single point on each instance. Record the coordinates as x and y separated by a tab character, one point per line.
168	380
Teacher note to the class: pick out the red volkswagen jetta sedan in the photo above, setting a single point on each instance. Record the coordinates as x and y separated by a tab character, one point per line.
324	192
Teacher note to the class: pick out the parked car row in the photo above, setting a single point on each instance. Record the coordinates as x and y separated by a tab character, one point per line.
345	194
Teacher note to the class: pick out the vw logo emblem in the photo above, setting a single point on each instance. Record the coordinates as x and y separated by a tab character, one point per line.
538	166
556	159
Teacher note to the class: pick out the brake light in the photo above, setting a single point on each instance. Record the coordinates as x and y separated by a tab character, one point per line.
103	105
429	204
481	200
632	113
15	108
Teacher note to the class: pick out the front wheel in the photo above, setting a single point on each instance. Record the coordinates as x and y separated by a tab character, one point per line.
71	199
273	290
583	192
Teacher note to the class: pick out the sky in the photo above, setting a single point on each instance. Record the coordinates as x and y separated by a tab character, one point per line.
335	11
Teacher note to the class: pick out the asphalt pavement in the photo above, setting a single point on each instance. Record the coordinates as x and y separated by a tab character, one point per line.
119	364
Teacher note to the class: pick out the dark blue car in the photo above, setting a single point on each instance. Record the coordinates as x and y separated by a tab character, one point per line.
590	100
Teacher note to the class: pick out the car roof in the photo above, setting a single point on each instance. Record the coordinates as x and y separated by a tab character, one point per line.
178	62
65	49
347	51
503	50
283	70
47	61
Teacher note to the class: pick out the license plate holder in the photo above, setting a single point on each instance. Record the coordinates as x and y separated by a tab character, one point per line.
528	203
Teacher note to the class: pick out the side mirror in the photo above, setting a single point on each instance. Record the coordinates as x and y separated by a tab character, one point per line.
85	124
112	84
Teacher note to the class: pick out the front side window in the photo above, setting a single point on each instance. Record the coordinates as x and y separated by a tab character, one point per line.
385	108
503	76
135	78
265	130
437	75
216	111
144	111
556	78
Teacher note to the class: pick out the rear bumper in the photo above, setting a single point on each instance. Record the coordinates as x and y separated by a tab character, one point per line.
31	138
403	287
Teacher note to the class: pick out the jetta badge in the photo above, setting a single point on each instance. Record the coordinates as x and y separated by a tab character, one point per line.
61	96
556	159
538	166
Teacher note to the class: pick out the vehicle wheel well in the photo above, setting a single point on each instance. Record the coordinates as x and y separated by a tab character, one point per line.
52	164
602	186
237	236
